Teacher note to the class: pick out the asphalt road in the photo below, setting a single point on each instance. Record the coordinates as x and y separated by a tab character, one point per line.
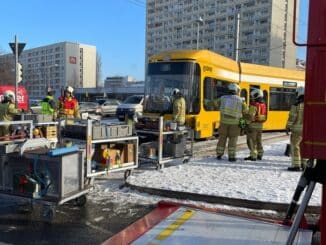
91	224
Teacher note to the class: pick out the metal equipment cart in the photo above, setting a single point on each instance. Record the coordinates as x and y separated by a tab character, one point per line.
167	151
30	170
104	139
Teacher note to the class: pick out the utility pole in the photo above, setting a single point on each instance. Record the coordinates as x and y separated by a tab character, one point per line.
237	37
199	21
16	71
17	48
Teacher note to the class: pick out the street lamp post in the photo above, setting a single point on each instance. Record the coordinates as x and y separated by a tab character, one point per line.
198	21
48	73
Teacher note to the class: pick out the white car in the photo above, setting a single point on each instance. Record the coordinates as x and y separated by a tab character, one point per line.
130	106
35	106
108	108
89	107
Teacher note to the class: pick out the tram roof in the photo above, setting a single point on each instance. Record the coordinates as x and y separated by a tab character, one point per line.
229	64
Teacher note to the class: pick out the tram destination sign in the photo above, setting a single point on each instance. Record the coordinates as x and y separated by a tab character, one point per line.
289	84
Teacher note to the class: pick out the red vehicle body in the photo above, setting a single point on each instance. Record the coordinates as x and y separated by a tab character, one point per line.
313	145
22	95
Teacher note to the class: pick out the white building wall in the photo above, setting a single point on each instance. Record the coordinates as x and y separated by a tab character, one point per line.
172	24
88	66
58	65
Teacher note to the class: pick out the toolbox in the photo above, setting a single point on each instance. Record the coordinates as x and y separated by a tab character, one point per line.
174	148
99	131
38	118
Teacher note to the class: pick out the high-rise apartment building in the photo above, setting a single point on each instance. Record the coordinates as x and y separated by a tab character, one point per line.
57	65
265	28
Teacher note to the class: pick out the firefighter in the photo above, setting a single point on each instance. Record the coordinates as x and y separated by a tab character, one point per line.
7	111
68	105
231	108
256	116
49	104
179	108
294	125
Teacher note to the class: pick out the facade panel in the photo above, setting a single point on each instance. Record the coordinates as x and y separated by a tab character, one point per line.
57	65
265	28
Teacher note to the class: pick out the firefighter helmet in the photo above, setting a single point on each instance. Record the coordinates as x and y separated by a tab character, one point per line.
50	91
300	91
9	95
256	94
175	91
234	88
70	89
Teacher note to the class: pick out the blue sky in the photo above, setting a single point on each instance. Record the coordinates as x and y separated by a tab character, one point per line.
115	27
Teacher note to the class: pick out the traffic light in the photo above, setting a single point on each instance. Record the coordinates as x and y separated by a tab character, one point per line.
19	72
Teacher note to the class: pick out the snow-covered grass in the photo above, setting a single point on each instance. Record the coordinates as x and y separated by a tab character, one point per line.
267	180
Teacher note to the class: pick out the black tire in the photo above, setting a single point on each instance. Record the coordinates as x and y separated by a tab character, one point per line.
127	174
185	160
48	214
81	201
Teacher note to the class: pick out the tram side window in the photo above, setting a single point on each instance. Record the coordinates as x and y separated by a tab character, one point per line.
281	99
213	89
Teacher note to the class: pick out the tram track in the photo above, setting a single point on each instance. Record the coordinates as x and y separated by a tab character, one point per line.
208	147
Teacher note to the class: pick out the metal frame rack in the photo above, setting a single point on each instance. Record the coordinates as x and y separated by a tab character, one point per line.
90	142
66	171
160	133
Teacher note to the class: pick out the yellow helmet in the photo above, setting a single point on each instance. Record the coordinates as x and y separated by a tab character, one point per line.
36	132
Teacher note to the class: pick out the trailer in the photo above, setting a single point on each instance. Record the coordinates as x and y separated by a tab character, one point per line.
31	170
166	144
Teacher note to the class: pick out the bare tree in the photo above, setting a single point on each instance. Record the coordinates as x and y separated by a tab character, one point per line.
99	83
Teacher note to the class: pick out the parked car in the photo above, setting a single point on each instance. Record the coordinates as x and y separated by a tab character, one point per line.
89	107
130	106
100	101
35	106
108	108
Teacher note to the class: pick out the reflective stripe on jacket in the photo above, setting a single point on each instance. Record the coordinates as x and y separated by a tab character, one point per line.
256	115
7	111
295	120
179	110
48	105
231	108
68	107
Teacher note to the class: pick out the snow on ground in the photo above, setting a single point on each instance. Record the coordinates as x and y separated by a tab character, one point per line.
267	180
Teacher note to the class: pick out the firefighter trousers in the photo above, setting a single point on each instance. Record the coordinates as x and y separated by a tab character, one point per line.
295	140
231	132
254	142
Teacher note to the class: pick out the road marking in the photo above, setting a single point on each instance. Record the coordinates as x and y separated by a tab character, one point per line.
98	228
173	227
98	219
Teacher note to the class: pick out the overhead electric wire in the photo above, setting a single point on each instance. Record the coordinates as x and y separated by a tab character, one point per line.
137	3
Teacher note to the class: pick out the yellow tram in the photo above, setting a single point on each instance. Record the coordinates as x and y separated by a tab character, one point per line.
203	76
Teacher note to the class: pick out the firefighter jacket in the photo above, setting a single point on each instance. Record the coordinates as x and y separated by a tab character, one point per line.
231	108
257	115
179	111
48	105
295	120
8	111
68	107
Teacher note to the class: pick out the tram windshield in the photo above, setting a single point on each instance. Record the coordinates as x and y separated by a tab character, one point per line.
163	78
